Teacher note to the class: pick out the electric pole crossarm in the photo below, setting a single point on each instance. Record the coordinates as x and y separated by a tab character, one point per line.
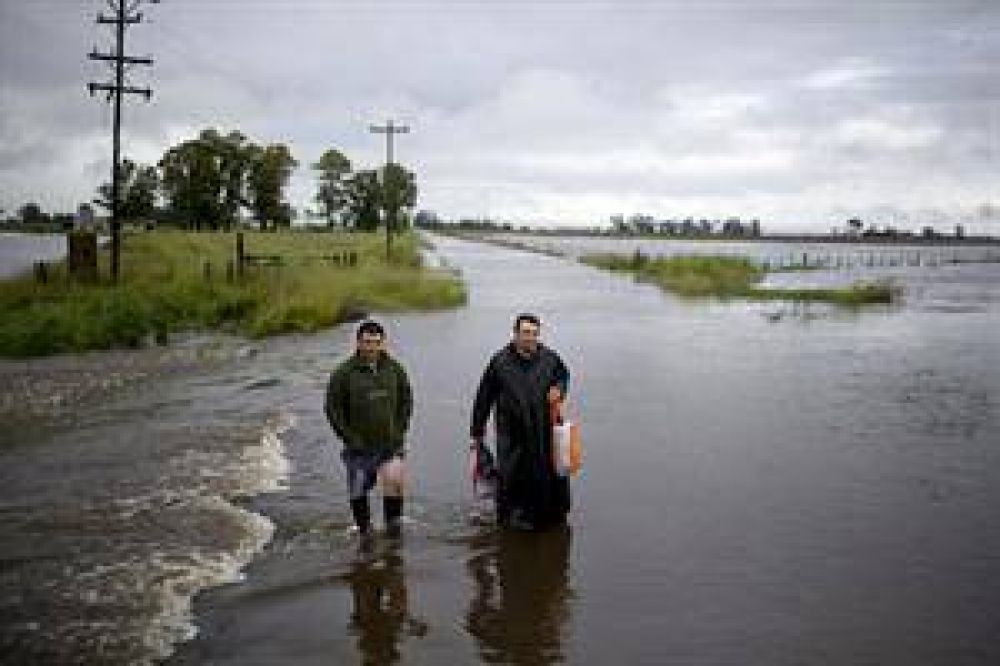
394	129
110	57
389	129
111	88
114	20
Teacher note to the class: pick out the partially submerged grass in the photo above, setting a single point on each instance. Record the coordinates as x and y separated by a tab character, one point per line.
164	288
731	277
854	295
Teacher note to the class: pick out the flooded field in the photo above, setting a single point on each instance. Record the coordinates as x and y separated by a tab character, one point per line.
762	484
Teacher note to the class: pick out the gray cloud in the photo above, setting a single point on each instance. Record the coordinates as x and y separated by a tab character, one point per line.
555	110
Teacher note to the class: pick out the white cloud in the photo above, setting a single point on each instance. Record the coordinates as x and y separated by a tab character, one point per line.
848	73
888	132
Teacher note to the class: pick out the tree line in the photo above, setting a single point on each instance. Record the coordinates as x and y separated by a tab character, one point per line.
212	180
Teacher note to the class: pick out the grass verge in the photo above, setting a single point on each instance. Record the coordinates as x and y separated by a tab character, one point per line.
731	277
164	287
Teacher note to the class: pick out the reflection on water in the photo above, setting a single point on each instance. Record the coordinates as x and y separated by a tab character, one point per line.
521	588
381	613
822	493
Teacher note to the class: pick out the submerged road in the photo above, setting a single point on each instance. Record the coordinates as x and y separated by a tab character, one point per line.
818	487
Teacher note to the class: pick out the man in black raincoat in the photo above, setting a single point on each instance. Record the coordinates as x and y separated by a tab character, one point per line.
521	382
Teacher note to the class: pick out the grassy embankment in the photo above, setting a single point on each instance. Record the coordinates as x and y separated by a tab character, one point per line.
164	288
731	277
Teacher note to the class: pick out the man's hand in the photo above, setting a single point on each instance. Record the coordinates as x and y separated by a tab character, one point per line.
555	395
475	442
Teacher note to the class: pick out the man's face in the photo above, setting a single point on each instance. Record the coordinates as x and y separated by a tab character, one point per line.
370	345
526	337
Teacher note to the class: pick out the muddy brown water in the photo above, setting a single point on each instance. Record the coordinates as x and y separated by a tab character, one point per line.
762	484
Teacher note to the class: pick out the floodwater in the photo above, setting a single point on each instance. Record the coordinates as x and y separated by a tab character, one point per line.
762	484
18	252
858	255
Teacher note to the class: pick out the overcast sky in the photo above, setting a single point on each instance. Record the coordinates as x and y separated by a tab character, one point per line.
801	112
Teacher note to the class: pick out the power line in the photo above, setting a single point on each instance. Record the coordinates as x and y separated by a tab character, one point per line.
124	15
390	130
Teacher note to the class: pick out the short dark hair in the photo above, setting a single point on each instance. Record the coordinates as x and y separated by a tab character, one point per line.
371	328
526	317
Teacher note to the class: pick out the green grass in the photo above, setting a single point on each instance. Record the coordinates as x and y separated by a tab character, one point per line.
731	277
855	295
163	289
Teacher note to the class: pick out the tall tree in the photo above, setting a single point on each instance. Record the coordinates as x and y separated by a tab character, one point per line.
364	200
233	154
369	192
192	183
137	188
270	169
31	213
205	179
334	171
399	192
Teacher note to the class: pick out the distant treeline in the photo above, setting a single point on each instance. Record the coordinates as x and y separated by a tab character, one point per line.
427	220
217	180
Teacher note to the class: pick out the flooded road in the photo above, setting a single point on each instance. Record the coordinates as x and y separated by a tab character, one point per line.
762	484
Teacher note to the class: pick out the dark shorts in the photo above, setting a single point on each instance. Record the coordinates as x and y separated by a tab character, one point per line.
362	469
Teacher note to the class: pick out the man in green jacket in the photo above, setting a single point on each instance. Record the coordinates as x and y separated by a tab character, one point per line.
368	405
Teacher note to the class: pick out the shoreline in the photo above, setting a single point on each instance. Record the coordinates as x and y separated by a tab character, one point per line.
181	281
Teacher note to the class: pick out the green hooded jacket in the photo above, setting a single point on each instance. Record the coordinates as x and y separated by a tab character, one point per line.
369	408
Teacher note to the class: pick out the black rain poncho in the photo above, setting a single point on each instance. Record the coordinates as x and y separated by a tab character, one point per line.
529	491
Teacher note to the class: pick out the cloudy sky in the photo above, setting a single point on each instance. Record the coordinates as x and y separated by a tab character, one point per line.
800	112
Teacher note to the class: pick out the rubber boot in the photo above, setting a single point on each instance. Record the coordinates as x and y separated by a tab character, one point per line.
392	507
362	516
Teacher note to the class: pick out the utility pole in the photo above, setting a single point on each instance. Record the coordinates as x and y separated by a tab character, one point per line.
124	15
389	129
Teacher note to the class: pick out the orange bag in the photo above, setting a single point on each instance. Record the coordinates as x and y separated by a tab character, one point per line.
567	452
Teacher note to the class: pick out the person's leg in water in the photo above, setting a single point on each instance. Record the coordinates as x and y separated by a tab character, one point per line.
361	478
392	475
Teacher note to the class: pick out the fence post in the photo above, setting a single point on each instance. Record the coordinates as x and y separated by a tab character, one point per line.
240	258
82	255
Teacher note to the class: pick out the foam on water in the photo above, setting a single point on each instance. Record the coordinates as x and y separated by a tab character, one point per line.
178	582
258	469
122	588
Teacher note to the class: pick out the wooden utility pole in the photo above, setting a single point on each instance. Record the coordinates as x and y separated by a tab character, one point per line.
389	129
124	15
